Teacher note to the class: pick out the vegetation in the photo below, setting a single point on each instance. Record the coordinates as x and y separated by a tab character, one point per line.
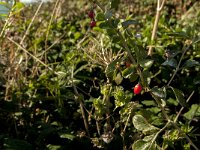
100	75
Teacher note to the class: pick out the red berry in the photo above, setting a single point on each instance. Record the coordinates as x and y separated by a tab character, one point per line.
91	14
137	88
92	23
128	64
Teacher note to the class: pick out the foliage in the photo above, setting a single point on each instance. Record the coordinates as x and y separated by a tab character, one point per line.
66	85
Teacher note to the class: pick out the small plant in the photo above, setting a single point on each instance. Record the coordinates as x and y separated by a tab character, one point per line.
114	78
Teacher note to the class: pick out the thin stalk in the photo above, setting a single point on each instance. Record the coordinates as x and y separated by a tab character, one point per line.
34	57
183	107
155	27
81	104
155	137
179	63
173	123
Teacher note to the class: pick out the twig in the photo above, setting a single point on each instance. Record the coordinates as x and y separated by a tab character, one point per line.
80	103
183	107
29	26
179	63
153	140
155	27
37	59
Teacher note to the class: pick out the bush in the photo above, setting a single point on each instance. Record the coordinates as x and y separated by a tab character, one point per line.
68	80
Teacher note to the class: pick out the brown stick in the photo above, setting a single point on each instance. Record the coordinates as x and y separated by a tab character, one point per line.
155	27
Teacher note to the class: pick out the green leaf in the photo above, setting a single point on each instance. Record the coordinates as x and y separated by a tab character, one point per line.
140	54
191	63
118	79
115	4
147	78
148	102
179	96
194	111
172	102
111	32
54	147
100	17
179	35
104	25
17	7
121	97
143	145
141	124
133	77
159	92
147	63
110	69
128	71
125	24
67	136
170	62
15	144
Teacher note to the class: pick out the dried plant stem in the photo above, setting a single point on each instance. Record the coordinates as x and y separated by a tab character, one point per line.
37	59
155	27
81	104
32	20
48	28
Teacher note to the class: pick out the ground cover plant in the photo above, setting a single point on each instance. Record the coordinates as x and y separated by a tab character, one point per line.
100	75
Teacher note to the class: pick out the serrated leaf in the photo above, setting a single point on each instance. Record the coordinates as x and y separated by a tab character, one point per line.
125	24
191	63
159	92
179	96
118	79
141	124
170	62
194	111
